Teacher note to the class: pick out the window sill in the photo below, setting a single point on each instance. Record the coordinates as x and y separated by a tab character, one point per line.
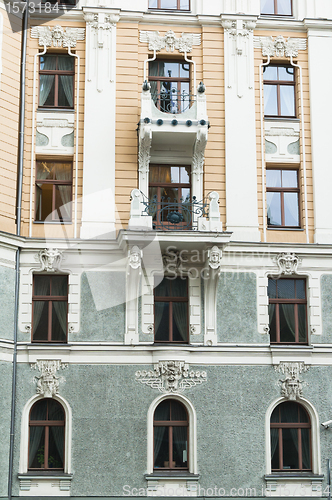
282	228
45	483
294	484
162	483
51	222
281	119
56	110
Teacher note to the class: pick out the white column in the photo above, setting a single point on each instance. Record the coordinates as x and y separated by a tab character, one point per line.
98	216
240	130
320	78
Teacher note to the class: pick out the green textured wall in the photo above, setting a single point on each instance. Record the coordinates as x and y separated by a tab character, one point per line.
7	301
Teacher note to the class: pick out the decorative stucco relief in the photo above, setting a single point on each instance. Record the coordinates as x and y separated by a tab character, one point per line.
287	263
214	257
50	259
48	382
282	142
291	385
57	36
171	376
55	133
169	41
279	47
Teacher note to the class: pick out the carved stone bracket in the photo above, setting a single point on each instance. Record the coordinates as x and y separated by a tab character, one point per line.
279	47
291	385
48	382
169	42
198	161
50	259
171	376
57	36
287	263
145	140
171	261
213	265
134	271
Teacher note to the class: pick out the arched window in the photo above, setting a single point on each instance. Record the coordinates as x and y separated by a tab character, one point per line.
170	429
290	438
46	435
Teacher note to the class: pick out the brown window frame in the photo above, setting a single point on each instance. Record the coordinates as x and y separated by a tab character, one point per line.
170	424
57	73
296	302
283	190
278	84
291	425
170	299
47	424
178	7
54	183
276	13
50	299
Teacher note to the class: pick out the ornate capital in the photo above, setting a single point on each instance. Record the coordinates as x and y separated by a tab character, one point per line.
171	376
135	255
287	263
48	382
169	42
199	151
291	385
214	257
238	27
104	22
50	259
280	47
57	36
171	261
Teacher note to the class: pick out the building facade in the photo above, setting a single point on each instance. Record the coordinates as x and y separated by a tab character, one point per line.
165	248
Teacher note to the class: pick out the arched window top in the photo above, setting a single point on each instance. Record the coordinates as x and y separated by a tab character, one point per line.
171	410
46	435
290	438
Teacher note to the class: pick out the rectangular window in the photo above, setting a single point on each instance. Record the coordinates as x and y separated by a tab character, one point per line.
170	85
279	91
169	4
49	308
287	311
56	81
282	194
276	7
169	195
53	191
171	310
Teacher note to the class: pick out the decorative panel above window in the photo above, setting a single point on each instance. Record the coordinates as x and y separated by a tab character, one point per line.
53	191
171	310
279	91
49	308
56	81
282	194
287	311
276	7
170	85
169	4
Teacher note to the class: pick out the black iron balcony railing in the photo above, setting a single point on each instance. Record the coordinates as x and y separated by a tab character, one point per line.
175	215
173	101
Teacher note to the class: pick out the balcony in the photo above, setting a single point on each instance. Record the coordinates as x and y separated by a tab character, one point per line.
174	215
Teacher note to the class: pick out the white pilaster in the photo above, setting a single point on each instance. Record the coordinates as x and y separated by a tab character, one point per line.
240	129
98	215
320	77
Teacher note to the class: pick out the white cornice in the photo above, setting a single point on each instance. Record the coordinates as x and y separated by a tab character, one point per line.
279	24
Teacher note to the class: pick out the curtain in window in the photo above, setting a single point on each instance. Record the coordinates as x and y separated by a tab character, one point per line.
59	327
181	444
291	415
57	433
274	432
41	287
287	311
64	172
159	431
305	448
46	81
287	101
42	173
66	64
36	433
291	204
180	309
153	71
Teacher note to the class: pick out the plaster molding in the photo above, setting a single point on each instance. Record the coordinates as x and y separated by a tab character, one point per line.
291	385
145	140
169	41
214	257
280	47
133	278
171	377
135	255
172	261
52	128
213	270
287	263
197	164
57	36
50	259
48	383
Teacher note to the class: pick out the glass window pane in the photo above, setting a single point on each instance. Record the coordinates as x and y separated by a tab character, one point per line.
63	171
184	4
287	323
163	289
45	170
168	4
47	62
56	447
290	449
40	320
59	321
62	202
289	178
291	209
55	410
39	410
161	447
300	289
287	100
41	285
274	449
272	289
273	209
273	178
175	174
162	174
161	321
286	73
45	194
180	446
153	4
184	70
66	91
66	63
302	317
185	175
305	438
37	447
267	6
178	411
47	90
285	7
162	411
270	100
59	286
179	287
303	415
185	195
270	72
289	412
272	322
286	289
180	321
